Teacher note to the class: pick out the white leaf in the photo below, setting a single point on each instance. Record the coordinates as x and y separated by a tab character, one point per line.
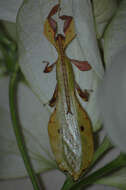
9	9
34	121
112	93
112	100
117	179
86	36
103	12
35	48
115	35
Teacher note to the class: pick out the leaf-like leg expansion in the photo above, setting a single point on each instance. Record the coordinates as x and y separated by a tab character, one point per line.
84	94
54	97
52	22
81	65
67	22
48	68
68	29
53	11
50	26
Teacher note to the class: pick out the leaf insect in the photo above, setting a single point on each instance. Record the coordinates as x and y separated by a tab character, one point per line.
69	127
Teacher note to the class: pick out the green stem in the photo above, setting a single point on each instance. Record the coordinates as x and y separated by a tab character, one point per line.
17	129
119	162
68	183
103	148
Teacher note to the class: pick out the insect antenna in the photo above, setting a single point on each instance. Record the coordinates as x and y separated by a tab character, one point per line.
59	2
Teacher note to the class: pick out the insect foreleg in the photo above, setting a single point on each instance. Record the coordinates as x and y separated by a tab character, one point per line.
81	65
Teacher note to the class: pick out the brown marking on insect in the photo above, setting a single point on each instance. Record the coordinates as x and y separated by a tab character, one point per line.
82	128
58	131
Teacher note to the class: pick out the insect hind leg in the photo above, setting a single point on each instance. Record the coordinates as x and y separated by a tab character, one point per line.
48	68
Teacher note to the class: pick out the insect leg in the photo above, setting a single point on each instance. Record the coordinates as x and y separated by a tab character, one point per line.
81	65
54	97
48	68
50	25
67	22
53	11
68	29
84	94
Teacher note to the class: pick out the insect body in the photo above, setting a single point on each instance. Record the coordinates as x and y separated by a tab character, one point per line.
69	127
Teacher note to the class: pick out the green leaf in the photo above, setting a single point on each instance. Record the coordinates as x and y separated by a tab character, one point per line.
104	146
11	29
8	49
114	38
116	179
